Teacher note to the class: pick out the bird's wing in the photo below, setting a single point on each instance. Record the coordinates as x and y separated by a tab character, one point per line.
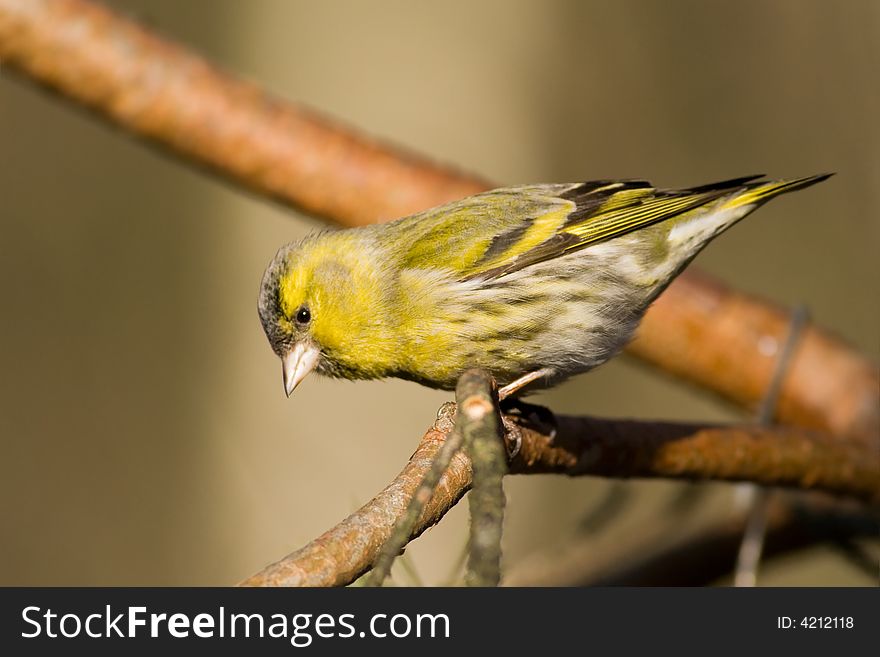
493	234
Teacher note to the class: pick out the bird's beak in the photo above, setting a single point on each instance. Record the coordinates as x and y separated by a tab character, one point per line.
297	363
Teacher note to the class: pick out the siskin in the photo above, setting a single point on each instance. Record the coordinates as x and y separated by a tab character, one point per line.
533	283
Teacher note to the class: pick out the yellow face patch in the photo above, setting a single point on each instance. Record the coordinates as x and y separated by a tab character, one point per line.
301	280
292	292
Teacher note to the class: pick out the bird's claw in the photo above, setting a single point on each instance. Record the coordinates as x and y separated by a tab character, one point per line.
538	417
512	437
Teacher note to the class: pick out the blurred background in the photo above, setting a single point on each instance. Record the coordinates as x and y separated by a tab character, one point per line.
146	439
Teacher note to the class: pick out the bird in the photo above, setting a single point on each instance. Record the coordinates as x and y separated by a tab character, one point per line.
533	284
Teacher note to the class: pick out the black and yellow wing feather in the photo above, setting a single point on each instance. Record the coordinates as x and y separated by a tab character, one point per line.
490	235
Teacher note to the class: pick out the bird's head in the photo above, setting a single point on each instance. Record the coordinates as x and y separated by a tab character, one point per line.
318	305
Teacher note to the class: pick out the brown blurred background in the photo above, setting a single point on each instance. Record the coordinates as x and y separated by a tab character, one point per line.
145	434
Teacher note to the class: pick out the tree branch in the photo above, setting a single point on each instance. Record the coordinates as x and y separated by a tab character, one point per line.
706	333
698	330
587	446
405	526
482	431
164	93
342	554
779	456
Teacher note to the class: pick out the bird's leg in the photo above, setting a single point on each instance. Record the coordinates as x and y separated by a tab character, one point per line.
515	386
538	416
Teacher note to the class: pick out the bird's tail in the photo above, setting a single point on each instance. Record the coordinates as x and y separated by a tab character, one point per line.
759	192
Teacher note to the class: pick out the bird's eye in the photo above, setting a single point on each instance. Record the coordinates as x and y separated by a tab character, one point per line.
303	316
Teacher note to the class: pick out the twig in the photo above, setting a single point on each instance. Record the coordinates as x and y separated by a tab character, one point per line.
453	576
749	556
752	544
410	569
340	555
587	446
698	329
766	414
405	526
482	431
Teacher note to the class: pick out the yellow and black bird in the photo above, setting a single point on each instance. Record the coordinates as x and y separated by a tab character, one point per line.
533	283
